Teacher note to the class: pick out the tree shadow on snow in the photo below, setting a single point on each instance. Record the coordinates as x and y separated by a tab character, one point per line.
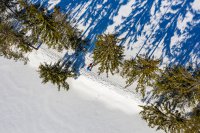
97	15
76	61
181	52
133	25
189	50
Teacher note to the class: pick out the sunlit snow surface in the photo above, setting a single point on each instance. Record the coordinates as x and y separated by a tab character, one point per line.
27	106
161	28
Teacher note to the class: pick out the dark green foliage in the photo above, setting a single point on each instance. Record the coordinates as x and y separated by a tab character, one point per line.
193	123
12	43
177	97
70	34
56	74
108	54
163	118
179	85
40	24
52	29
3	4
143	69
7	7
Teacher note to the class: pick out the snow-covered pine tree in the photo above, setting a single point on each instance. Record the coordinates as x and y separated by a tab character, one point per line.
7	6
179	85
12	44
193	121
52	29
164	118
143	69
175	107
70	34
37	20
56	73
107	54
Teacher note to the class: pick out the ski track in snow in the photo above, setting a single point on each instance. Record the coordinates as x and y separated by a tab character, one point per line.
116	82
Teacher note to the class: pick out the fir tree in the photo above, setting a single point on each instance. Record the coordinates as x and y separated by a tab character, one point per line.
179	85
193	122
56	74
164	118
51	28
7	5
8	10
70	34
37	20
143	69
176	89
12	43
108	54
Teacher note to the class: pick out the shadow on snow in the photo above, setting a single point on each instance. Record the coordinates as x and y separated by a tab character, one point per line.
97	15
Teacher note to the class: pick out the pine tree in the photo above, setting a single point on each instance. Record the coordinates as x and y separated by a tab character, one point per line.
193	122
164	118
12	44
176	101
8	10
56	73
179	85
143	69
108	54
3	4
52	29
129	71
6	5
37	20
70	34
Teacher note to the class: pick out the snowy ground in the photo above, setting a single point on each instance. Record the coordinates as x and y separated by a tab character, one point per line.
96	104
27	106
160	28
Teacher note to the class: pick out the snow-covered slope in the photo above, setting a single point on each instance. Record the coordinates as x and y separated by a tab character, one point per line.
162	28
27	106
95	104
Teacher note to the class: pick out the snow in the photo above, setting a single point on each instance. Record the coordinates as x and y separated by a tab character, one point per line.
52	3
195	5
146	26
97	104
88	107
